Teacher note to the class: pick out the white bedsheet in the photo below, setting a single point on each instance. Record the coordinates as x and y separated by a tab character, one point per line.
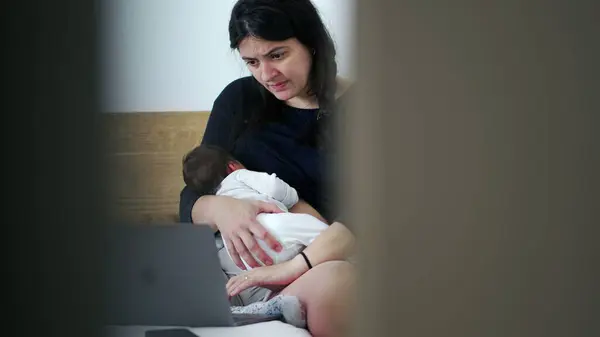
266	329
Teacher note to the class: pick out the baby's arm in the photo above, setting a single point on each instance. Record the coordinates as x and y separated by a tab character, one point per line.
270	185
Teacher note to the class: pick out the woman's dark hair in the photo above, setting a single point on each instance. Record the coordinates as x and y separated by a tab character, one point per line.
278	20
205	167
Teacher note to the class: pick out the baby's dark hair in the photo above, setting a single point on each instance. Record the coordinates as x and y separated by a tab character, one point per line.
205	167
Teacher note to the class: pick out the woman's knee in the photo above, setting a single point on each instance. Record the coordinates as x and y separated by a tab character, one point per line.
338	279
335	273
328	292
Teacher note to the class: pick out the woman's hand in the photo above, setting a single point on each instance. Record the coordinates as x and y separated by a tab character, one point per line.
276	276
236	219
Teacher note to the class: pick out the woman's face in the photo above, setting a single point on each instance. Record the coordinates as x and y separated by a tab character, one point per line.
280	66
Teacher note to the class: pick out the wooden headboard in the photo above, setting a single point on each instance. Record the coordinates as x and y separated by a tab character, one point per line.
143	162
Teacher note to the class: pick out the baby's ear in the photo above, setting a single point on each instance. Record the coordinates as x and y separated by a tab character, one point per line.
231	166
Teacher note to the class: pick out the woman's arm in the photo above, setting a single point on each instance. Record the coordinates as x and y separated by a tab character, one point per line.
200	212
334	243
187	201
220	130
235	219
305	208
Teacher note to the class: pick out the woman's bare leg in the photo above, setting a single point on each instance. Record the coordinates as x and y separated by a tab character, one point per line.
328	293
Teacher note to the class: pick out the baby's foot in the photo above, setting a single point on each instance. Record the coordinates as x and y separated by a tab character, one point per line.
288	306
293	311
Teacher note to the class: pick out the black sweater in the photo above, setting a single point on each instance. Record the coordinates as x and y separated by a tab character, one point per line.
275	147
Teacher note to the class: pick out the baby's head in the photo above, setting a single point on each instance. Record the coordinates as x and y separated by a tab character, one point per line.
205	167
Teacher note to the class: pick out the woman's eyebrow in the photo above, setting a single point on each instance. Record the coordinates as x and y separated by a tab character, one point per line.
276	49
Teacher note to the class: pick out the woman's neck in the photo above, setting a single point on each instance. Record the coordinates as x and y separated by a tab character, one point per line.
303	102
307	101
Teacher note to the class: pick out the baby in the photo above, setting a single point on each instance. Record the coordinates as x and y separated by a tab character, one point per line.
211	170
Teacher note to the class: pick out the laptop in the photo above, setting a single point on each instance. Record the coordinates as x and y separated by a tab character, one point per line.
167	275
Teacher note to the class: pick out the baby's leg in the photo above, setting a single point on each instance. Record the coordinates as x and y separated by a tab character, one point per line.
288	306
292	227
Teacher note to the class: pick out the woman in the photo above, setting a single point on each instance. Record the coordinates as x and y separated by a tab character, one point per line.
278	121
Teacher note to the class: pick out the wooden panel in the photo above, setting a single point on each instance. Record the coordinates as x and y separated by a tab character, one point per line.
143	162
153	131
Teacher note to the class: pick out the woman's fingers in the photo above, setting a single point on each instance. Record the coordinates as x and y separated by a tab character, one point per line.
241	241
267	207
231	248
254	250
243	252
239	283
231	284
240	245
260	232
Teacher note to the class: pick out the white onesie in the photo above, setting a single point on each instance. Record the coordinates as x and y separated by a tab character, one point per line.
294	231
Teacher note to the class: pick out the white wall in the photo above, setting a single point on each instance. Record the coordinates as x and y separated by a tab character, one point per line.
173	55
